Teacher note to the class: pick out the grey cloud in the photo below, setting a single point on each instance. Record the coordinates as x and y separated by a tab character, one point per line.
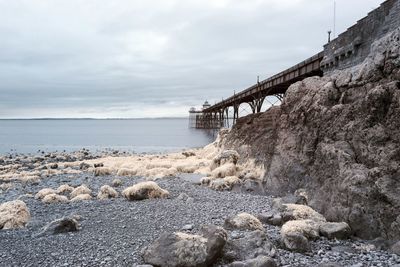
124	58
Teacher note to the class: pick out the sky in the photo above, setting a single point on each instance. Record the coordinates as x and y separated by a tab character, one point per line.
148	58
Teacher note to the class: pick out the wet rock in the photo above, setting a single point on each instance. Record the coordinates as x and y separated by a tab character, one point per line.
243	221
333	230
14	214
247	245
260	261
145	190
181	249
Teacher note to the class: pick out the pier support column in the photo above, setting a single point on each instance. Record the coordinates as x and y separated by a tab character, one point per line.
235	113
227	116
260	102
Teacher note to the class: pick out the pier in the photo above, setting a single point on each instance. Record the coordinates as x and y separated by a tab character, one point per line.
348	49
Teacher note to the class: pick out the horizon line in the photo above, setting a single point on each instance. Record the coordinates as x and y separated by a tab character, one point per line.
111	118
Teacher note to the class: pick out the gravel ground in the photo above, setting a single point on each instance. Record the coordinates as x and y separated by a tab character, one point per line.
115	231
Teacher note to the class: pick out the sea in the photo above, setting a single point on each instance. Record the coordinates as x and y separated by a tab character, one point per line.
130	135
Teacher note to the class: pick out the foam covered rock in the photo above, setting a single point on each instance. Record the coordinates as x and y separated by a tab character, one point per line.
14	214
243	221
80	190
54	198
107	192
145	190
44	192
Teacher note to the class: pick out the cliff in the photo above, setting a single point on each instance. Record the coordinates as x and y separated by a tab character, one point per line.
338	138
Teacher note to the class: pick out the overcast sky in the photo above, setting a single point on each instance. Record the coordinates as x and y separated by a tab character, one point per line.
131	58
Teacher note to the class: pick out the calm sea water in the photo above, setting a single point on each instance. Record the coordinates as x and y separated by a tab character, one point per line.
138	135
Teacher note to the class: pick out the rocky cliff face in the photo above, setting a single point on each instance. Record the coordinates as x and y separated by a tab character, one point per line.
338	137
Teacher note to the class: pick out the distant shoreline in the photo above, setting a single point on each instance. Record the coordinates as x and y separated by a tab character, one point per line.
49	119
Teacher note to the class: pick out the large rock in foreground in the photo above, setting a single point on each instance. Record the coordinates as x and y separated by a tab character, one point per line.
185	250
14	214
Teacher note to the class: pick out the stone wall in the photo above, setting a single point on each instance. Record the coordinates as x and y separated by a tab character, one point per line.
353	46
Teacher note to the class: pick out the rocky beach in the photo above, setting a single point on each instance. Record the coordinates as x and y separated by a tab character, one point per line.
313	182
117	231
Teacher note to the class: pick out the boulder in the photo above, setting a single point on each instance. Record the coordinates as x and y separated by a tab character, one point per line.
44	192
107	192
63	225
247	245
54	198
338	230
145	190
260	261
181	249
243	221
14	214
296	234
80	190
